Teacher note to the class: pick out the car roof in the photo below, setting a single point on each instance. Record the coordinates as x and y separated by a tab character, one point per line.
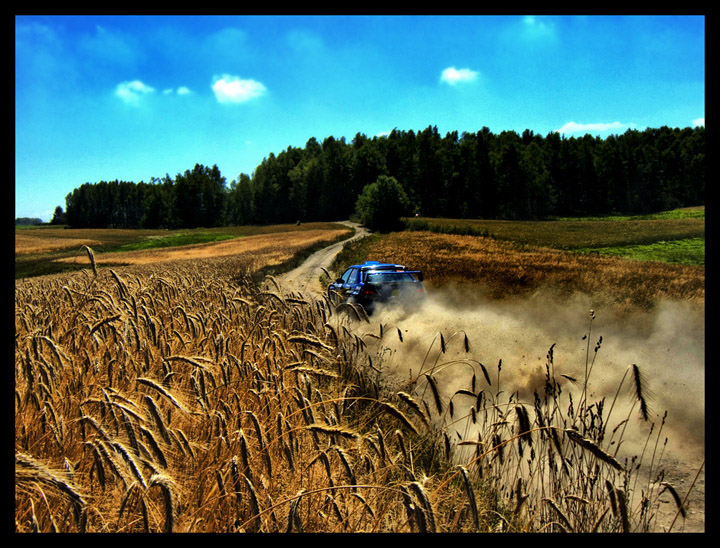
375	265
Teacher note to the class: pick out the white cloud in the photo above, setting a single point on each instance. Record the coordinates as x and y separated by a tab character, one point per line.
700	122
574	127
182	90
537	28
131	92
454	76
232	89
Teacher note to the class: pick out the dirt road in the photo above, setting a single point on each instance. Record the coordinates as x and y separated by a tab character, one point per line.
306	278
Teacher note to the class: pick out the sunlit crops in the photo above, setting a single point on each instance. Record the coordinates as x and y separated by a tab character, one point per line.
498	269
50	250
181	397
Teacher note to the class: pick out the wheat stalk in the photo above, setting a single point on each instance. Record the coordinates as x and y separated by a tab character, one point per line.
676	497
28	471
471	496
166	485
91	256
333	430
640	392
161	390
414	405
157	418
559	512
593	448
395	412
435	393
426	508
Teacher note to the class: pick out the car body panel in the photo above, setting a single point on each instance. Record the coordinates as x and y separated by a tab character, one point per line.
372	282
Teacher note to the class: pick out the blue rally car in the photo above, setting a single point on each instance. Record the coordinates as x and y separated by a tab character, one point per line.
373	282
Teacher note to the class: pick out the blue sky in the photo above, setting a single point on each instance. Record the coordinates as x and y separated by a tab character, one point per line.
100	98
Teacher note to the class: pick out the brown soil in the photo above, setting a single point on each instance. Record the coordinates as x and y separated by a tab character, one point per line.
681	473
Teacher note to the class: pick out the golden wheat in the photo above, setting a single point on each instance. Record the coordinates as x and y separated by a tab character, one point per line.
182	397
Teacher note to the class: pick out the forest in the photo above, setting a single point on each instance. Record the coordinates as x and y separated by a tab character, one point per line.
479	175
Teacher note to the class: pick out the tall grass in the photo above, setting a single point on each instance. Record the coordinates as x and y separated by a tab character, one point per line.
185	398
495	269
173	399
676	236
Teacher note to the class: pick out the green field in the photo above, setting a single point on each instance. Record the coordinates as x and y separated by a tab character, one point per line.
676	236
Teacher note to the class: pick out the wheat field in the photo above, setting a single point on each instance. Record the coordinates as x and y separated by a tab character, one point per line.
496	269
167	399
183	397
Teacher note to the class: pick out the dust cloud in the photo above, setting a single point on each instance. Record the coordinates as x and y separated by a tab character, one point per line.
667	344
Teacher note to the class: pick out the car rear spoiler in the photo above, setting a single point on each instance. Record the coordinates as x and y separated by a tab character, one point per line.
419	274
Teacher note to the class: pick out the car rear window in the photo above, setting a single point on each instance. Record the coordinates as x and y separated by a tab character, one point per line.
389	277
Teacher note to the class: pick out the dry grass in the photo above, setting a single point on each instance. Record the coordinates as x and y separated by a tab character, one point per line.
266	249
498	269
180	397
31	243
46	239
573	234
165	397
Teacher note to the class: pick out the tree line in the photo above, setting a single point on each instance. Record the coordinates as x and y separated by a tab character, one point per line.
28	221
472	175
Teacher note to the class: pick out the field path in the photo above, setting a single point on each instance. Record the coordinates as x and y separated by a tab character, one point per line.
306	277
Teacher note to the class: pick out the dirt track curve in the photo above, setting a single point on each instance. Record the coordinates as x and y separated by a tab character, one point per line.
306	277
